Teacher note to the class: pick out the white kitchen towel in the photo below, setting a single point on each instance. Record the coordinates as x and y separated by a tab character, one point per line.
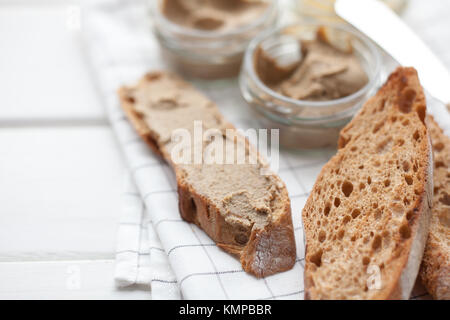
140	258
132	252
122	49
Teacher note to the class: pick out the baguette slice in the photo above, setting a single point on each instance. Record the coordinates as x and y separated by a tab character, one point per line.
246	213
435	269
366	219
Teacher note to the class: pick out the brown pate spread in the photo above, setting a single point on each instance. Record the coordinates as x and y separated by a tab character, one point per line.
213	15
243	195
323	73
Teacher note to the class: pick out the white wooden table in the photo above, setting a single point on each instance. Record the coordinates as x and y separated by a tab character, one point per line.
60	169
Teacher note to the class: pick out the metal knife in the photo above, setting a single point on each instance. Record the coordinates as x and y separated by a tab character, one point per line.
377	21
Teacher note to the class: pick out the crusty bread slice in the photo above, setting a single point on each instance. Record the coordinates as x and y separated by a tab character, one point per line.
435	269
366	219
245	212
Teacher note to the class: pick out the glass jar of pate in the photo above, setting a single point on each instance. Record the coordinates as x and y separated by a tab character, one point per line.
209	44
306	124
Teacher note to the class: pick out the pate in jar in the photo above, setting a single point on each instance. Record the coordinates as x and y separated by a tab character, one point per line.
207	38
309	80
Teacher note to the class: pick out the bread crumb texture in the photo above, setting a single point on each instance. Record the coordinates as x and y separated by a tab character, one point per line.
435	270
365	205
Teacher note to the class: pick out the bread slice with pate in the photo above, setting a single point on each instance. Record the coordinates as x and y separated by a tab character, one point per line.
366	219
245	212
435	269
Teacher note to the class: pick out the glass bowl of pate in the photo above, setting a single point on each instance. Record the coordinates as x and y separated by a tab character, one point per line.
309	80
208	38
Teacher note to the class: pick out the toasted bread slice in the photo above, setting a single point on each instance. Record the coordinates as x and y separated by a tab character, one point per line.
435	269
245	212
366	219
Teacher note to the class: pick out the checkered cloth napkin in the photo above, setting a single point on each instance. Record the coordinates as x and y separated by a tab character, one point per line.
155	246
140	258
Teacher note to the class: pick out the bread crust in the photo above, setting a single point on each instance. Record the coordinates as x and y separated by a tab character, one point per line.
435	268
269	249
405	265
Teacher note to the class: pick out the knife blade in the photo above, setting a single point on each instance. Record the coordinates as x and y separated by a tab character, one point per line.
382	25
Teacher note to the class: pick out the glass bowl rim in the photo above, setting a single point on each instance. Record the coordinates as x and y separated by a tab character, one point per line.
211	35
248	67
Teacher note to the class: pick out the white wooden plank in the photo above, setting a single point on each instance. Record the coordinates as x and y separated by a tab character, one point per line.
63	280
60	193
44	72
